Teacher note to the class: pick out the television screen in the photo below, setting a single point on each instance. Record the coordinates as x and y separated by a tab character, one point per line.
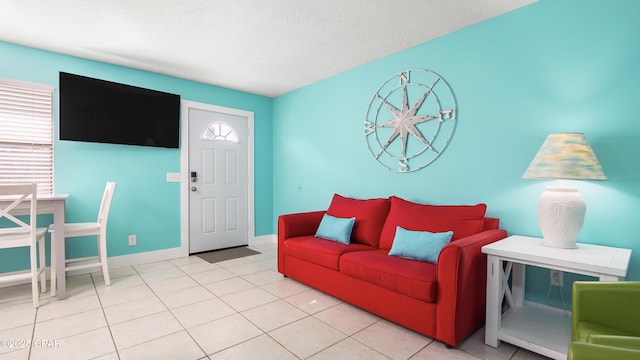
106	112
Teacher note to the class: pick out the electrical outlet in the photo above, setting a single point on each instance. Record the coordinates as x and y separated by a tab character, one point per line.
132	240
555	278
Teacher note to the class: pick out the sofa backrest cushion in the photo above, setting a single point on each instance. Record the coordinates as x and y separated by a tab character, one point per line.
463	220
370	216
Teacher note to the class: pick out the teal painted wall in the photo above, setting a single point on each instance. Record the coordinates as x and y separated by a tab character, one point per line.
553	66
144	203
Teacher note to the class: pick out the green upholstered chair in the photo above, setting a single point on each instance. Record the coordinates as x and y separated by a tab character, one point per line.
605	320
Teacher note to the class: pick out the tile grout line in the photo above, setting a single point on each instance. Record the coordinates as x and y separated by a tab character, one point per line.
183	328
106	320
33	330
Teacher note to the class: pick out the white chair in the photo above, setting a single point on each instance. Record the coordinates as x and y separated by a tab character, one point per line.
98	229
17	233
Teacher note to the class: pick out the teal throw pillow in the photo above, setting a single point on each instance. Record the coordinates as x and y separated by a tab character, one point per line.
336	229
419	245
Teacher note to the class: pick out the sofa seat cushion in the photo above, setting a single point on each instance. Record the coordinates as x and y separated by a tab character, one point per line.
409	277
463	220
320	251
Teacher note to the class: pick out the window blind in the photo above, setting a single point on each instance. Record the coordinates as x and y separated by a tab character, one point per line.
26	134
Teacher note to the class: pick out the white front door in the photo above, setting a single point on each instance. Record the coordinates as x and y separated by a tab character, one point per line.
218	180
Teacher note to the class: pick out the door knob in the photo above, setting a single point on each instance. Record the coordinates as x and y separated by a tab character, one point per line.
193	188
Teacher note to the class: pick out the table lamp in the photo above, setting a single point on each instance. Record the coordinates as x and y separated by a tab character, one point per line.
561	208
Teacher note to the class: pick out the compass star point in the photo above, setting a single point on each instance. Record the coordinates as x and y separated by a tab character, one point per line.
405	120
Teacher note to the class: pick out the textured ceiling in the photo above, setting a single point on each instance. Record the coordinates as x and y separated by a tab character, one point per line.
266	47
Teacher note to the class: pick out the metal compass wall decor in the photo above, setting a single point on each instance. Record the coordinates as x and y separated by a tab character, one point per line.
410	120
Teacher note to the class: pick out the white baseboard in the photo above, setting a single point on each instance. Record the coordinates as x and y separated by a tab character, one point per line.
114	262
146	257
264	239
5	283
173	253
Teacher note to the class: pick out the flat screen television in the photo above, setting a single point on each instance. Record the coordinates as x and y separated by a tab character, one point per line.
101	111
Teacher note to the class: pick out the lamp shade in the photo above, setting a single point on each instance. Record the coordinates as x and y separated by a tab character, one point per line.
565	156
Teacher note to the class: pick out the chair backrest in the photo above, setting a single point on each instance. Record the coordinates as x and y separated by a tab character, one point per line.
105	205
13	200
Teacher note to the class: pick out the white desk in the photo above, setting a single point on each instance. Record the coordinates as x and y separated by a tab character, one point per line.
530	327
53	204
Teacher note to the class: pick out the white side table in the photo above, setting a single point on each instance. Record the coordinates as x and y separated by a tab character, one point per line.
534	327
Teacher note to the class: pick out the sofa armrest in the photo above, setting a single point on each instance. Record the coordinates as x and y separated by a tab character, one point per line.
606	304
462	284
585	351
293	225
299	224
490	223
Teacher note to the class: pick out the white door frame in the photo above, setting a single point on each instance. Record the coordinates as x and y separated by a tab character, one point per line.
184	169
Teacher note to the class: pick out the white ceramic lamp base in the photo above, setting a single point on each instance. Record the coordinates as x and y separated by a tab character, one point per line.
561	215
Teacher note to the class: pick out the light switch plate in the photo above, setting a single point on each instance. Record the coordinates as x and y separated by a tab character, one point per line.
173	177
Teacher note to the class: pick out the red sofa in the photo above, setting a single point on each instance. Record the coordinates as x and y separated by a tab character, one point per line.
444	301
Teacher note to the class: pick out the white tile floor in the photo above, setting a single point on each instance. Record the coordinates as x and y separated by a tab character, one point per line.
189	309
